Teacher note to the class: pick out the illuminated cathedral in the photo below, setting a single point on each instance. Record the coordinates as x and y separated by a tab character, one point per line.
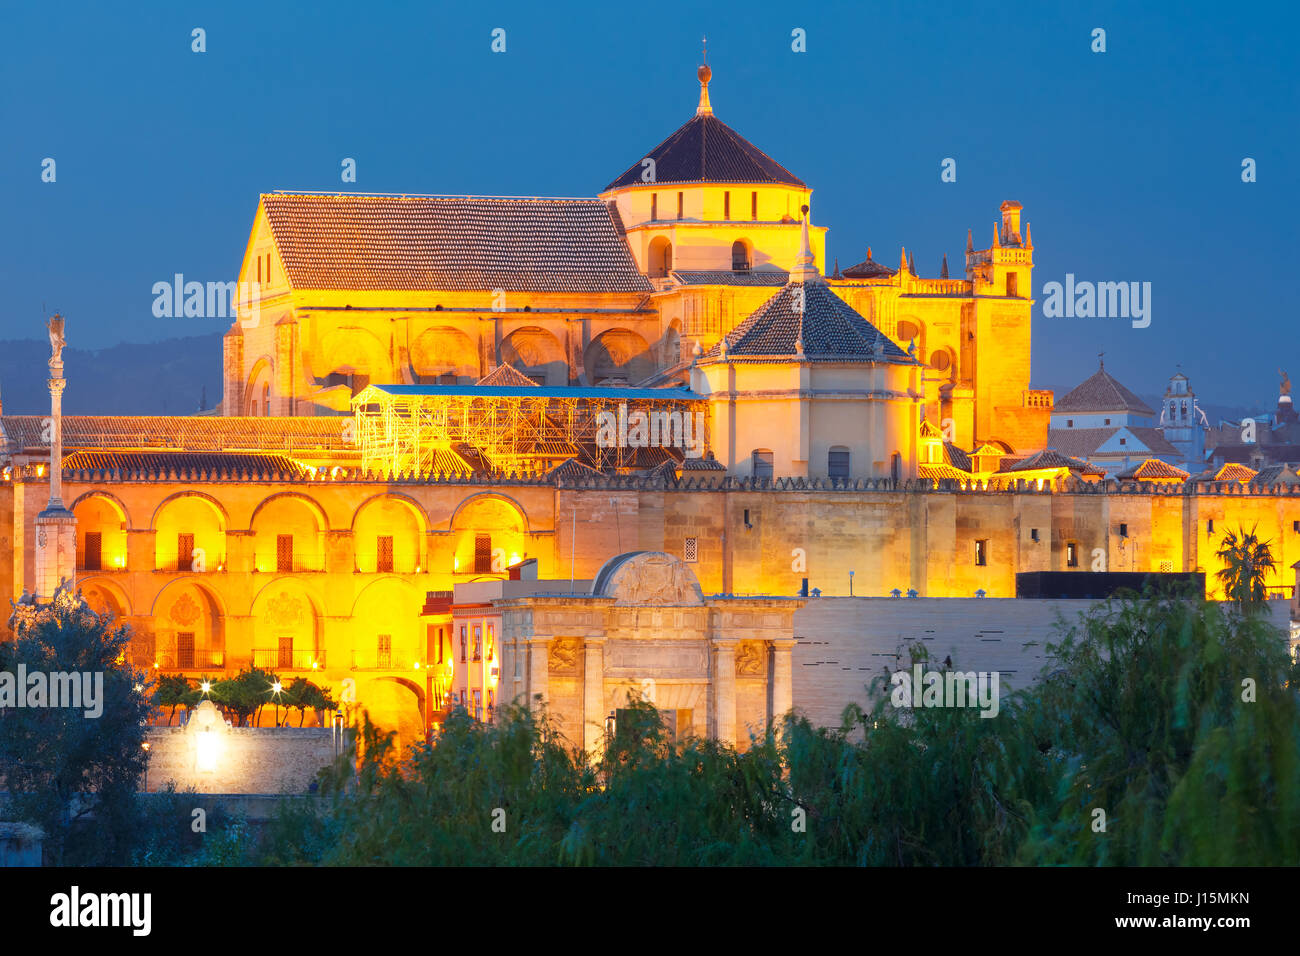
477	449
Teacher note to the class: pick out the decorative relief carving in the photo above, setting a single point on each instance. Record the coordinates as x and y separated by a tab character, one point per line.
185	611
654	579
564	655
284	610
749	659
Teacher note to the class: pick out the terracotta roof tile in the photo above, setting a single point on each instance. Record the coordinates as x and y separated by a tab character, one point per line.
1101	393
707	150
1153	469
455	243
723	277
827	327
506	376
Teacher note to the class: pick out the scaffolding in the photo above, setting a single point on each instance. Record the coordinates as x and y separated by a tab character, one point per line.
429	430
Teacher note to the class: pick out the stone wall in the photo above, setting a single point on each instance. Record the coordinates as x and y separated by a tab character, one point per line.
249	759
842	643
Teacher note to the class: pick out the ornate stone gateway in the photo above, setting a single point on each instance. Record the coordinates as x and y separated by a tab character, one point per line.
717	666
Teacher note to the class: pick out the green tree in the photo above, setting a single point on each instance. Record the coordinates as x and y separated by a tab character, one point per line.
243	696
1168	713
65	766
171	690
1247	564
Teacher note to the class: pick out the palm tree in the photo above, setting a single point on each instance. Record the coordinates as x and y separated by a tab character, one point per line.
1247	563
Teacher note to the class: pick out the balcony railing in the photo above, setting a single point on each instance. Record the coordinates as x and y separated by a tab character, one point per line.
395	661
199	660
278	659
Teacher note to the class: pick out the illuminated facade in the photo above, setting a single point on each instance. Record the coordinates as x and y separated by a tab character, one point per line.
413	406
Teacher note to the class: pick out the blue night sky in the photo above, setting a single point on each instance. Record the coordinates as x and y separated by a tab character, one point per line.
1128	163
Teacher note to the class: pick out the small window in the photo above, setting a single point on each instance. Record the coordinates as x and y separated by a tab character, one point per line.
433	642
679	205
1166	567
259	268
1107	421
753	206
284	552
491	642
1295	526
1209	526
384	554
981	552
837	462
654	206
1033	534
739	257
266	400
1013	284
896	467
482	554
1069	423
1123	529
690	550
478	642
185	650
94	551
184	552
464	642
908	331
726	206
762	463
1123	441
1071	555
384	651
941	361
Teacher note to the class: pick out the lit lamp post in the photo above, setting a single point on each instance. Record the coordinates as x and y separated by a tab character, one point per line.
145	747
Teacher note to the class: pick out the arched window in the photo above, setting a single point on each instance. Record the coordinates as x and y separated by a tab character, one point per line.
941	360
762	463
661	257
908	331
740	256
837	462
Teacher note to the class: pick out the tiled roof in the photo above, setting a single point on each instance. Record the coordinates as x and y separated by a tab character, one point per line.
1235	472
1275	475
1153	469
955	456
940	472
181	432
702	464
572	470
707	150
1101	393
181	461
827	328
1051	458
426	242
1083	442
723	277
506	376
868	268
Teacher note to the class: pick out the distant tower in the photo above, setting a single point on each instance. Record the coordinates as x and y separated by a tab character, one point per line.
56	526
1183	424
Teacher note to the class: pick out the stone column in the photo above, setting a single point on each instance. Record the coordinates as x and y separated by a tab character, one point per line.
56	527
593	697
724	691
782	679
539	670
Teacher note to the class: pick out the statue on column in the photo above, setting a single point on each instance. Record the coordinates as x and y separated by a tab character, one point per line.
1285	388
57	341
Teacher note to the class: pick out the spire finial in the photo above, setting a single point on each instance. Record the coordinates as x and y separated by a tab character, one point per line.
1029	237
805	266
902	262
970	241
943	269
1101	361
705	74
996	243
